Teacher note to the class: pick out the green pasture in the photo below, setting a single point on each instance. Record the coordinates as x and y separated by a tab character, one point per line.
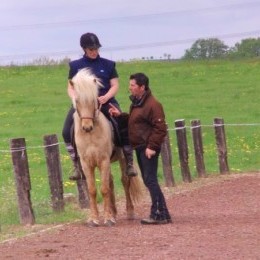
34	103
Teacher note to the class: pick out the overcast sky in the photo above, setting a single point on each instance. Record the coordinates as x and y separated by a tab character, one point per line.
127	29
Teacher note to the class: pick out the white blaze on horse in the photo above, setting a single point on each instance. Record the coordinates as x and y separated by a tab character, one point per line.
94	141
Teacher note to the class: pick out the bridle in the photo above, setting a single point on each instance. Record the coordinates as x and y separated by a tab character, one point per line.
95	114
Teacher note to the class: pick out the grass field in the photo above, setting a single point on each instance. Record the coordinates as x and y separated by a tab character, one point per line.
34	103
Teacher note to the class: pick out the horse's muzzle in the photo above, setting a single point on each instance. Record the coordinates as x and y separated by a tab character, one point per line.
87	129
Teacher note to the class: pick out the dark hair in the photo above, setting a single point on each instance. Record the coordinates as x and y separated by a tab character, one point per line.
89	40
140	79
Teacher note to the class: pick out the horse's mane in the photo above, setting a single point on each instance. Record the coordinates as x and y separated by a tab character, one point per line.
86	85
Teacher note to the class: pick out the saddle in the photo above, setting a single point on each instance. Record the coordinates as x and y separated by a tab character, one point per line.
116	131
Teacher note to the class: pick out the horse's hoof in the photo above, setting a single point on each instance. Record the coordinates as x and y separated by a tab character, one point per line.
93	223
109	222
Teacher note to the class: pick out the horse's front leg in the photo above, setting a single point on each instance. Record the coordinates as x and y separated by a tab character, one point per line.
106	178
93	219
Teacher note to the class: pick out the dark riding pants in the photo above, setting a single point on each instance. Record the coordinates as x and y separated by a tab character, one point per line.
148	169
68	123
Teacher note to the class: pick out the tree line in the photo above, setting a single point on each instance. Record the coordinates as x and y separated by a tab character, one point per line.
201	49
213	48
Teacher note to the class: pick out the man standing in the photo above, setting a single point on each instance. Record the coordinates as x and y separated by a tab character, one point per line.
147	129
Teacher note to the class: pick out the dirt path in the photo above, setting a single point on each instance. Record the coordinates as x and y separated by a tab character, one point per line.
214	218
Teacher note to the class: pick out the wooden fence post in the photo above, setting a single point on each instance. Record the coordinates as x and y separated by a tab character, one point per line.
22	179
198	147
83	198
83	193
221	145
183	149
52	156
166	156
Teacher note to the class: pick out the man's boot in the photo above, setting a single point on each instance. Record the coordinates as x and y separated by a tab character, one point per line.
128	153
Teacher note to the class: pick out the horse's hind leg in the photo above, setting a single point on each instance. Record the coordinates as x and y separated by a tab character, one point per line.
126	184
112	197
129	203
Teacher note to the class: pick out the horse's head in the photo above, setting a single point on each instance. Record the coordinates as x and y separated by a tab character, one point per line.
85	102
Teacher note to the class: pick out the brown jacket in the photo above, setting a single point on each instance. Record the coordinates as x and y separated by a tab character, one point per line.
146	122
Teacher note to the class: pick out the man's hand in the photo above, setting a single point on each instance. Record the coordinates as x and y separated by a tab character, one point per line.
149	153
114	111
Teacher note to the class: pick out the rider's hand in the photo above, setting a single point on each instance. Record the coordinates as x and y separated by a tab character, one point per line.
103	99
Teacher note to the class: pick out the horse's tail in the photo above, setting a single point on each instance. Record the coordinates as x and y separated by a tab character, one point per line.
134	185
136	188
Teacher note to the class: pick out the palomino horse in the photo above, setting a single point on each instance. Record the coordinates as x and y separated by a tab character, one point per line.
94	141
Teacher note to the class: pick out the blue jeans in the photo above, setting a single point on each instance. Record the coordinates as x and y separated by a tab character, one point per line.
148	169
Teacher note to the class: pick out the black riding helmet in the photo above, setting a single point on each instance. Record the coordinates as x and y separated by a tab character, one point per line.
89	40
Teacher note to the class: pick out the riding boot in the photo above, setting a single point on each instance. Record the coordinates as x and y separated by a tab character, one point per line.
77	171
122	124
128	153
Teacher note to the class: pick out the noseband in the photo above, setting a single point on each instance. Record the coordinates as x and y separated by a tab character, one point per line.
95	114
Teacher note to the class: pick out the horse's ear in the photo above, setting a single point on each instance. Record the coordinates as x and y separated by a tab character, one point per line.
71	83
98	83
